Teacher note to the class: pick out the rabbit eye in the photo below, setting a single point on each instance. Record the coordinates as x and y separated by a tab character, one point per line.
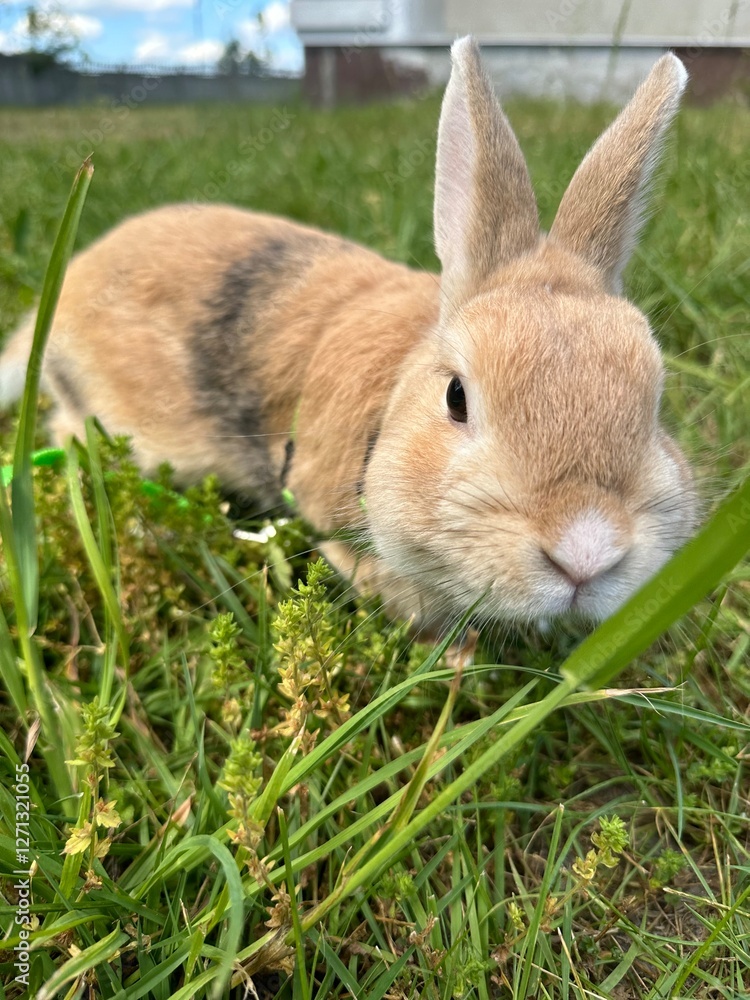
456	400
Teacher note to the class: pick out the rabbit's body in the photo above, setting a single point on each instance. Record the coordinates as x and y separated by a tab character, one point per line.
494	435
234	325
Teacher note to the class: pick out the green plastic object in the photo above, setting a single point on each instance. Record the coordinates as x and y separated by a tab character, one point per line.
56	456
46	456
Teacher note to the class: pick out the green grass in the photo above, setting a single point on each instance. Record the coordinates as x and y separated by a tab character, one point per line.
301	795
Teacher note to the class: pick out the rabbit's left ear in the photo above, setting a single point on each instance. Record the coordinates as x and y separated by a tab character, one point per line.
601	211
485	211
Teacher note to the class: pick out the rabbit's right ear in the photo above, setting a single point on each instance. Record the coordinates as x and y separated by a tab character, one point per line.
485	211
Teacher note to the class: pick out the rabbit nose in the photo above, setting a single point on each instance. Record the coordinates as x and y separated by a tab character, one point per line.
588	547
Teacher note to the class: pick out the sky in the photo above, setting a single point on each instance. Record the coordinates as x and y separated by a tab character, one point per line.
162	32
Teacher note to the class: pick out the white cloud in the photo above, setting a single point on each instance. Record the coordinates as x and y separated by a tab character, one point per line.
60	27
84	27
272	38
13	41
276	16
248	32
200	53
114	6
287	57
153	48
158	48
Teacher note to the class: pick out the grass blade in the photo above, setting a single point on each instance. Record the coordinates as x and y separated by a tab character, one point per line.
685	579
89	958
530	941
22	493
98	566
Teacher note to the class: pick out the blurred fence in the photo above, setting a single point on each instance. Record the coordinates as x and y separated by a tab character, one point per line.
27	81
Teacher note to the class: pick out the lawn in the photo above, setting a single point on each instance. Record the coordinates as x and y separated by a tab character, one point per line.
245	781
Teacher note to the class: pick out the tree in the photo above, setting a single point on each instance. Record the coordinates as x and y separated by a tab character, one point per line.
235	60
51	34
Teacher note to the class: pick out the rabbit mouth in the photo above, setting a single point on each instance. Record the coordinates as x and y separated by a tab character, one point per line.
596	599
585	604
555	598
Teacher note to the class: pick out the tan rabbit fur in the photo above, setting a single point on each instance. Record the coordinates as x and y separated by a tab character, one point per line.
493	434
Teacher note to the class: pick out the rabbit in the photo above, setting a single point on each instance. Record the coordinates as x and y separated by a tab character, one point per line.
488	439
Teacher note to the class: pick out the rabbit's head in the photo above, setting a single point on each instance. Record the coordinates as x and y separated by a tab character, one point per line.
521	462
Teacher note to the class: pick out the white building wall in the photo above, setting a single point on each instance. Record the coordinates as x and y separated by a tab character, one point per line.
585	49
639	23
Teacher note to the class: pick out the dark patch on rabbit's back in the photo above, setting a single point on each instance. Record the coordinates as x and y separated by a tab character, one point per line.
65	386
224	343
